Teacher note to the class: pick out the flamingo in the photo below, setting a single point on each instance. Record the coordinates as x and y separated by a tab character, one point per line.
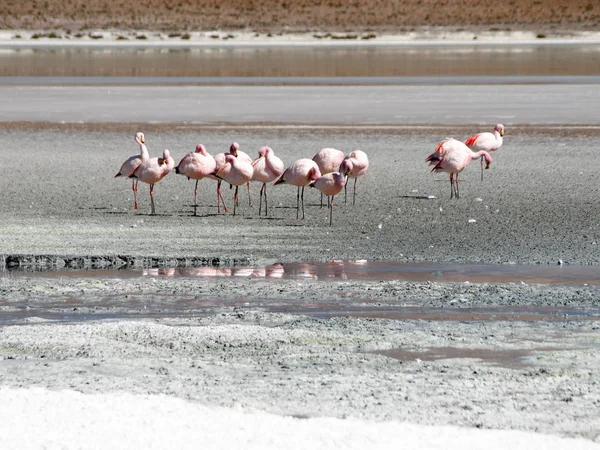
453	157
358	164
236	172
234	149
489	142
131	165
332	183
300	173
153	170
267	168
196	165
329	160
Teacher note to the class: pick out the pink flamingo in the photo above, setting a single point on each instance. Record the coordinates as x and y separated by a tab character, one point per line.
453	157
489	142
267	168
234	149
300	173
358	164
332	183
131	165
328	160
196	165
152	171
236	172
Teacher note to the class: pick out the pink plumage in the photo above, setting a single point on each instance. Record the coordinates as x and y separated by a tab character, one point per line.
328	159
132	163
196	166
267	168
300	173
152	170
358	164
489	142
331	184
452	156
236	172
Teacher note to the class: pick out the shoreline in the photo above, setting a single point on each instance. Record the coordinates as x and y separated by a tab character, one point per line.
219	38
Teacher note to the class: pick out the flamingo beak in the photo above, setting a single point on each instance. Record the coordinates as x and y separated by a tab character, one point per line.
143	140
501	132
487	165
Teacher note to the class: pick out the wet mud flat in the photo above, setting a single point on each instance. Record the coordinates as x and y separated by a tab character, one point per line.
537	376
424	352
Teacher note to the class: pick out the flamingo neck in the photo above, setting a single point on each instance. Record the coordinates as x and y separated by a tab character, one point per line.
479	154
144	151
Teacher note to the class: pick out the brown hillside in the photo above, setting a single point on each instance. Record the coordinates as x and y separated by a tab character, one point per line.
300	15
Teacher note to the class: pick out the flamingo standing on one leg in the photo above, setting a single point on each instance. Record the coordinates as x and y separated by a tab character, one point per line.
453	157
489	142
358	165
332	183
267	168
152	171
236	172
131	165
329	160
300	173
196	165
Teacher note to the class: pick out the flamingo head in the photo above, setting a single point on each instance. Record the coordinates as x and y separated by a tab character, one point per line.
313	174
139	137
233	149
345	167
262	153
500	129
165	158
200	149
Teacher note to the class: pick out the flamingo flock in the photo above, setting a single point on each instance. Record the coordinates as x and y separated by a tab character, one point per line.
453	156
328	172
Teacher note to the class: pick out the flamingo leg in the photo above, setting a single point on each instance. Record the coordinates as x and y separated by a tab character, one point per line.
456	184
331	211
354	193
346	193
321	199
152	198
260	199
451	185
195	197
266	204
302	202
481	160
220	198
134	187
235	199
298	203
249	196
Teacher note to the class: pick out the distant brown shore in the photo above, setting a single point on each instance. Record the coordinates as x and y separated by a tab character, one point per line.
379	16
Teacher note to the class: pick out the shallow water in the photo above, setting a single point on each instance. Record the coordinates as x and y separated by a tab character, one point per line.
355	304
476	60
558	274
